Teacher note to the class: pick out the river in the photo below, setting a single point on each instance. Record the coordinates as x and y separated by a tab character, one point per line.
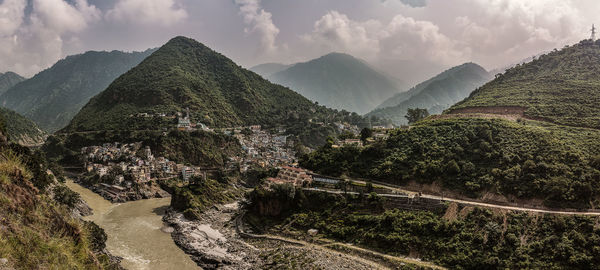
134	232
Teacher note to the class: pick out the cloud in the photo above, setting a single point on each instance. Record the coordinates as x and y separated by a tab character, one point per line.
412	3
11	16
260	23
493	29
26	46
149	12
402	38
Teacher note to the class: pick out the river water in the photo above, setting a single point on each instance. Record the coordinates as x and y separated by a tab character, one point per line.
134	232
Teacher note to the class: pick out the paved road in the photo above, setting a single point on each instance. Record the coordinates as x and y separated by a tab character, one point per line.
583	212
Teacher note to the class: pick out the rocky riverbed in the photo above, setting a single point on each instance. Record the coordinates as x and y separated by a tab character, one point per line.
213	243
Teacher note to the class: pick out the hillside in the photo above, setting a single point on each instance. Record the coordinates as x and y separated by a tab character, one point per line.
339	81
22	130
269	69
8	80
52	97
38	229
562	86
435	94
184	74
473	157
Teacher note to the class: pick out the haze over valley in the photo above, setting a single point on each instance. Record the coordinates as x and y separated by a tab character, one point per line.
249	134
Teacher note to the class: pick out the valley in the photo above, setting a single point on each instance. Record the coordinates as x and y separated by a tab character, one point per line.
194	155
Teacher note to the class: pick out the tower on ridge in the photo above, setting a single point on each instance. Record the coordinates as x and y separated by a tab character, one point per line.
593	33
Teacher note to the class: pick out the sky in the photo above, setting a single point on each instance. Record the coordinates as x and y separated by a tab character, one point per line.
409	39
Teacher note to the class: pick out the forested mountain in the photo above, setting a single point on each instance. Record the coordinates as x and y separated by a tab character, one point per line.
435	94
562	86
52	97
268	69
8	80
339	81
516	157
184	74
20	129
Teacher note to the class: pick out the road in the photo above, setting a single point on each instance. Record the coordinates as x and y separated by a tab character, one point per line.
583	212
330	247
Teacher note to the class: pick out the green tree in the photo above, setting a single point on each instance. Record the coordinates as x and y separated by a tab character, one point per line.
365	133
416	114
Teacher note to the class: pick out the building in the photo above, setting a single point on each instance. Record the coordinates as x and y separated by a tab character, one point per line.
293	175
184	123
186	173
356	142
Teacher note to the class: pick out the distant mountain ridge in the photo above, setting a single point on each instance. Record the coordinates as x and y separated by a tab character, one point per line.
337	80
435	94
8	80
52	97
268	69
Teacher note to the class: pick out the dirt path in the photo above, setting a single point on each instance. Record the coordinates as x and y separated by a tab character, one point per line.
370	258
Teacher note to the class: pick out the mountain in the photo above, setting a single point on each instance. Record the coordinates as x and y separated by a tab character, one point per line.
184	74
8	80
562	87
435	94
531	134
52	97
268	69
21	130
339	81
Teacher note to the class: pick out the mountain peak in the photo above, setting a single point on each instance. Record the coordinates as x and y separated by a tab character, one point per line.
182	74
339	80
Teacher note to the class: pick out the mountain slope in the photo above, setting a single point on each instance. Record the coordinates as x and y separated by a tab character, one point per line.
8	80
21	130
186	74
52	97
339	81
561	87
435	94
269	69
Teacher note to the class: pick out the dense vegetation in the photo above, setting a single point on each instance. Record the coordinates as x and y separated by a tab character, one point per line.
37	230
435	94
22	130
197	148
467	238
8	80
472	156
339	81
186	74
561	87
52	97
197	197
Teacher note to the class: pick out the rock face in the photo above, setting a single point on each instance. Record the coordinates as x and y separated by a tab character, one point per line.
212	241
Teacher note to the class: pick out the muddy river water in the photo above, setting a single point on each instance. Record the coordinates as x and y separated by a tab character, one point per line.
136	232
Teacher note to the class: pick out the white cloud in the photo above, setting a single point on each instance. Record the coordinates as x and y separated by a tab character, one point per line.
336	32
495	29
11	16
160	12
402	38
28	46
260	23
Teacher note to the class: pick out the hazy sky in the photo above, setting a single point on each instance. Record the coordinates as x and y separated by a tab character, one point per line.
411	39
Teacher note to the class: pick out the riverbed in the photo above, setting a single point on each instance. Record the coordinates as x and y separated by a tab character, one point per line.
136	232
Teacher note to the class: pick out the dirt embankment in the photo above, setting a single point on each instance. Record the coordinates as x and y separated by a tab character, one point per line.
511	113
